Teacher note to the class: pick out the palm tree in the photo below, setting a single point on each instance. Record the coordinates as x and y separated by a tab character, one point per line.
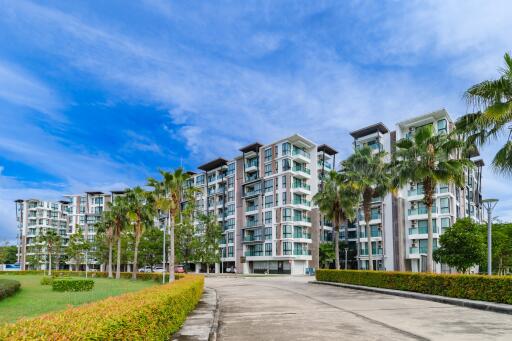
429	159
119	219
369	175
140	215
493	101
161	204
106	226
51	241
173	192
337	202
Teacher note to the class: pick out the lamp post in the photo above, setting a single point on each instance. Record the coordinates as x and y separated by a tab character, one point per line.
489	205
346	260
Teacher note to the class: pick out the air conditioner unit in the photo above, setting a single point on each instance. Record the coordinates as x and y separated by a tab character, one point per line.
413	224
411	128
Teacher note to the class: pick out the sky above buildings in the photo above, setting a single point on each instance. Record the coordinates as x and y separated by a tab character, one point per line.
98	95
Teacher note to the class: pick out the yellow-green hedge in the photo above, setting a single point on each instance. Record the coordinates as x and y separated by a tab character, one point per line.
474	287
72	284
154	313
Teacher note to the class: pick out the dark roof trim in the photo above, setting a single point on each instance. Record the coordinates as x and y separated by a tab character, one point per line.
253	147
479	163
64	202
119	192
327	149
213	164
191	173
94	193
379	127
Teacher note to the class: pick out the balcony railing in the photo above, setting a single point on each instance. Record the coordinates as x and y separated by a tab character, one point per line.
252	253
375	251
377	233
417	250
252	163
302	235
251	208
302	202
252	238
301	185
421	210
302	218
301	169
301	252
421	230
251	177
253	192
252	223
301	152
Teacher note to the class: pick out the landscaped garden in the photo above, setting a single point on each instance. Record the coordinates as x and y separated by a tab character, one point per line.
34	299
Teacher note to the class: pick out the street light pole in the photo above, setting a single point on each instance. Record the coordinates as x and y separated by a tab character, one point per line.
346	260
489	205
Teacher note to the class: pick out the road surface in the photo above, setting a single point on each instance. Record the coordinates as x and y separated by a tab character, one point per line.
290	308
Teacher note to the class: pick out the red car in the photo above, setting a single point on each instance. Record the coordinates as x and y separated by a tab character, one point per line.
179	269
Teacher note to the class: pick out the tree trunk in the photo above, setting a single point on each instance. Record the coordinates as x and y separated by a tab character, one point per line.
135	257
369	236
171	249
118	269
430	241
110	259
49	264
367	201
337	247
207	268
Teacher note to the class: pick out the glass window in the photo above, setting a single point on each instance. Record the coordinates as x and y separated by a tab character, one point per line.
286	147
287	248
286	164
287	231
442	127
268	249
268	169
269	201
445	223
230	251
445	205
287	214
284	198
268	232
231	168
283	181
268	217
231	195
230	237
268	154
269	184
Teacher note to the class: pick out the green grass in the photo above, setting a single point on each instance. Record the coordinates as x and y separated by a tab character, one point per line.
34	299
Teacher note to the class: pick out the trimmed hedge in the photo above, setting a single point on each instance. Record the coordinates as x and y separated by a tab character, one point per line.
154	313
474	287
72	284
8	287
102	274
46	280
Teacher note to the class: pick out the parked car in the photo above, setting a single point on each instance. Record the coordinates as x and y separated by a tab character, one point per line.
158	269
145	269
179	269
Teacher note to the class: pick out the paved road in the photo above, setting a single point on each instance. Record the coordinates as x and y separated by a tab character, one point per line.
290	308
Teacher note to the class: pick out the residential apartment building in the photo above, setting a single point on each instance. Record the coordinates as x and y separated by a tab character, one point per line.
34	217
399	222
263	200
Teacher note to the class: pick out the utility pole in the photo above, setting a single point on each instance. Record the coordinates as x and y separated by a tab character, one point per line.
489	205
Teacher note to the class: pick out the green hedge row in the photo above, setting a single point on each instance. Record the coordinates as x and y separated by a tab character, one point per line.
72	284
46	280
154	313
474	287
8	287
145	276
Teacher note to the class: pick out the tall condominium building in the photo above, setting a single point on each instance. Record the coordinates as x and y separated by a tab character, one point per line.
34	217
399	223
262	198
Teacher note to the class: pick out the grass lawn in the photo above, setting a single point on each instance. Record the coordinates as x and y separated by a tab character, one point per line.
35	299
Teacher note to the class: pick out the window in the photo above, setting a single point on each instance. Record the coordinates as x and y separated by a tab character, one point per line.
268	154
230	237
284	198
445	223
287	248
442	127
230	209
423	226
287	231
284	181
231	195
231	182
268	217
286	164
445	205
268	249
287	214
200	179
230	251
231	169
268	169
269	200
268	232
277	199
229	224
286	147
269	185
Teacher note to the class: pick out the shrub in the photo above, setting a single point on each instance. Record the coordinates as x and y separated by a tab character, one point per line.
101	274
72	284
154	313
8	287
46	280
474	287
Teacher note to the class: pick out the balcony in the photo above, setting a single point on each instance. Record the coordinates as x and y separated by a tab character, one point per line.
251	208
253	238
301	252
421	230
302	235
252	193
417	250
252	223
375	251
252	253
302	219
299	153
302	169
252	177
325	166
374	233
302	202
420	210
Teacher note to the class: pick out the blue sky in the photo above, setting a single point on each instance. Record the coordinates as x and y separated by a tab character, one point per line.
99	95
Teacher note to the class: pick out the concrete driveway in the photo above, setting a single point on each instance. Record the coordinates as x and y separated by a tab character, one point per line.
290	308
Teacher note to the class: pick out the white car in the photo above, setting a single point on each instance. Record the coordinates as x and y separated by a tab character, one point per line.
158	269
145	269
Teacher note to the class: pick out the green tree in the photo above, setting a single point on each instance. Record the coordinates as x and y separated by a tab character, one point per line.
172	189
430	159
326	254
35	255
8	254
501	247
210	235
492	100
51	241
461	246
140	214
337	201
119	218
150	247
105	236
370	176
77	247
187	241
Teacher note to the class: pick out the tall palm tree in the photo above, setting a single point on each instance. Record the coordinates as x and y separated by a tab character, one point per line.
161	204
51	242
119	217
173	189
492	99
369	174
106	226
429	159
337	202
140	214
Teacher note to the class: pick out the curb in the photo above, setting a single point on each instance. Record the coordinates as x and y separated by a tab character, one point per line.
215	323
481	305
